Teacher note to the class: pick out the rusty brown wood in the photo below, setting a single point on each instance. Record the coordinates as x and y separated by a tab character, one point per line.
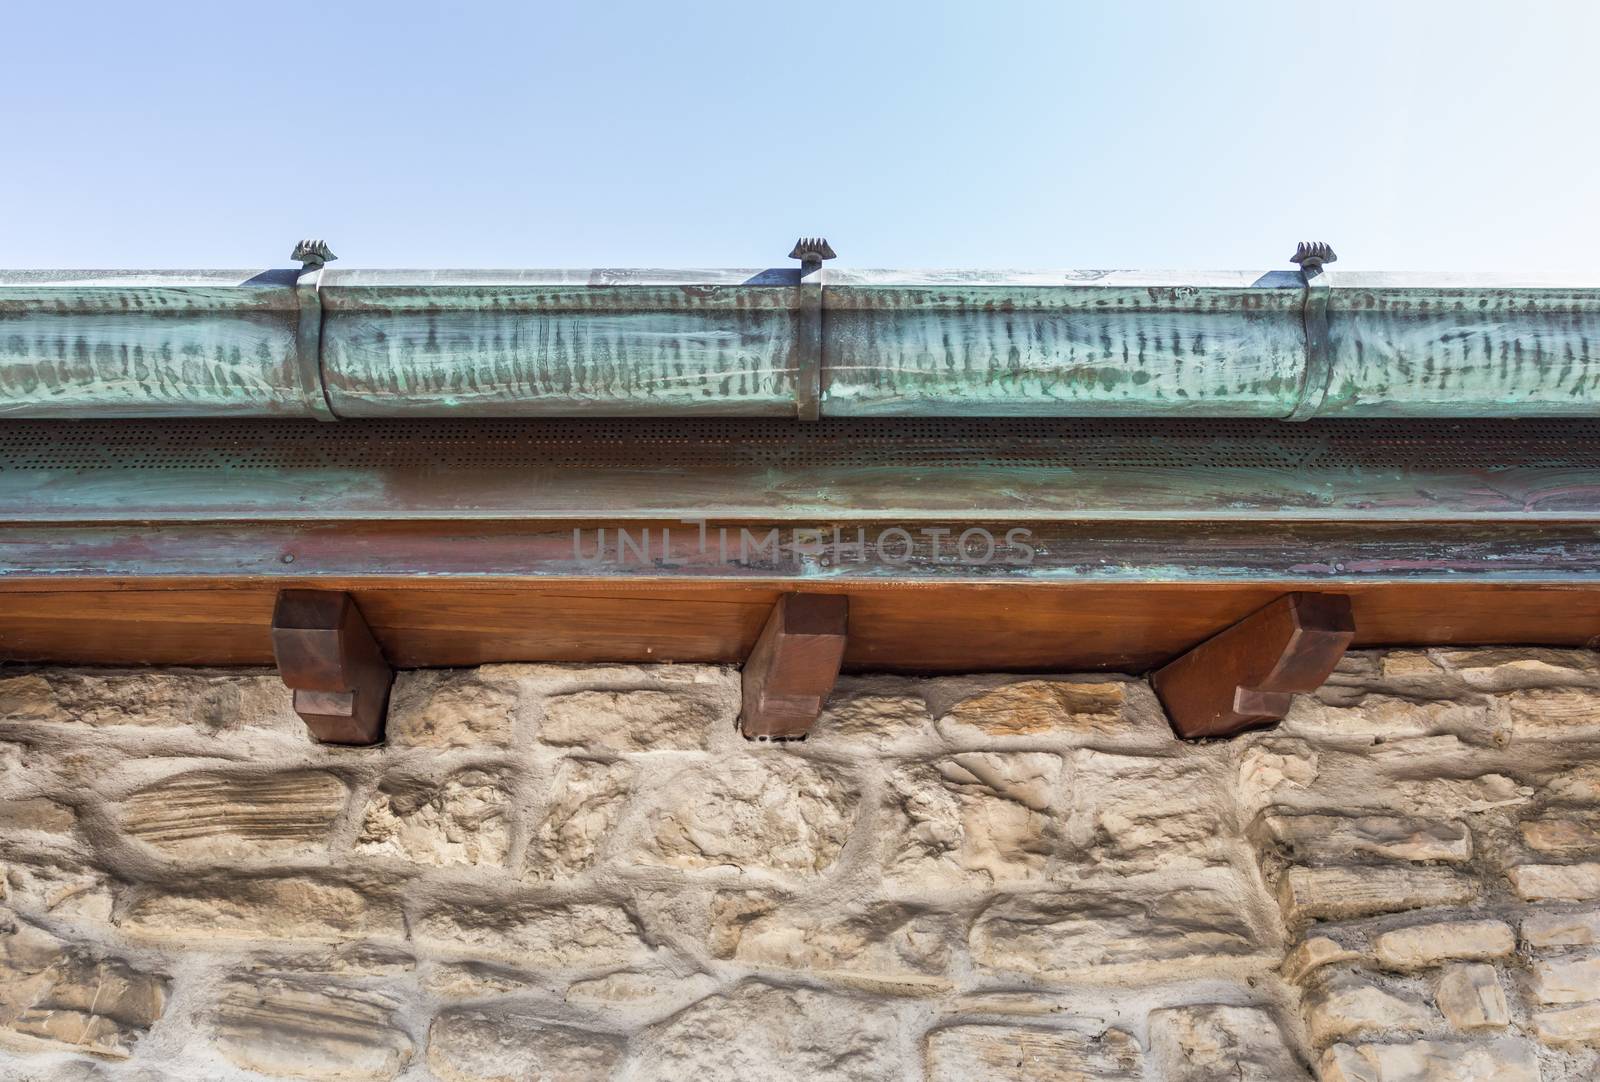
1245	676
793	666
328	655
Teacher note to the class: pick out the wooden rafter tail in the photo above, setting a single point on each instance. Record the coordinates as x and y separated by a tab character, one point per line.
793	666
328	655
1246	676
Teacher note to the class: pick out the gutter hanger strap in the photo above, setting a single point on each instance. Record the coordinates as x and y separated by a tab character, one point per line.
810	251
313	255
1318	370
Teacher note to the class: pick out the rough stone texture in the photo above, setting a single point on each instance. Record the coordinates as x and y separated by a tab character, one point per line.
1507	1060
461	820
580	935
1038	707
290	1029
757	1031
1006	1054
882	945
276	908
208	815
1429	944
586	801
1557	882
630	720
1471	997
772	814
582	872
1320	893
55	996
438	708
477	1046
979	818
1218	1043
1341	1004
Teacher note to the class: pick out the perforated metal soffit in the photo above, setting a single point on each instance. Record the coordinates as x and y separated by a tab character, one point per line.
779	444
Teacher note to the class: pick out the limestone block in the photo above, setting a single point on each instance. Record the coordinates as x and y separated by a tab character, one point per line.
1569	1025
449	708
1338	838
459	820
772	812
579	935
1217	1043
1344	892
1447	798
758	1031
1343	1003
1554	714
482	1046
1385	717
1567	980
37	814
1577	784
1429	944
208	700
71	892
1556	882
634	720
29	698
54	996
1040	708
208	815
1312	954
1508	668
649	988
586	800
1506	1059
1027	1054
1339	893
1087	934
288	907
1563	836
306	1030
1580	929
1140	811
1471	998
974	819
868	720
1270	770
882	946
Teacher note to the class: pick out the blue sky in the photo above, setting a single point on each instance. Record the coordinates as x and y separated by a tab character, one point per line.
1212	135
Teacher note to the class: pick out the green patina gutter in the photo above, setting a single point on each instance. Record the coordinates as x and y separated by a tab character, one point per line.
747	343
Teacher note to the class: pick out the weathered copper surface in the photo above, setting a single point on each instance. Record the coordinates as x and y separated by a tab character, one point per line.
742	342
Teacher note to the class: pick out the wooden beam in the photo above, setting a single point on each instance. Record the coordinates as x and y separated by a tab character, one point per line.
327	654
1245	676
793	666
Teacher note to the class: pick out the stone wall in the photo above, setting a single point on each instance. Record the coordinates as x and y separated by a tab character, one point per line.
583	873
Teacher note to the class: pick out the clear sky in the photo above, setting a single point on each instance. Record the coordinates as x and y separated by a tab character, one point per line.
1412	135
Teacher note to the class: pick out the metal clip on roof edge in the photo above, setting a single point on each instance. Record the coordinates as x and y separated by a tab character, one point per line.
312	256
1318	370
811	252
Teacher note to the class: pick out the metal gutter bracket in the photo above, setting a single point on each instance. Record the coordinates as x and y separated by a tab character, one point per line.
811	252
312	256
1311	255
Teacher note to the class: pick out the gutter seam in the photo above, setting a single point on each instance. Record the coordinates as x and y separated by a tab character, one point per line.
308	344
1317	372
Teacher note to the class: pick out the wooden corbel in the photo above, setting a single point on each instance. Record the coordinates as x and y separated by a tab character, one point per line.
793	666
1245	676
327	654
